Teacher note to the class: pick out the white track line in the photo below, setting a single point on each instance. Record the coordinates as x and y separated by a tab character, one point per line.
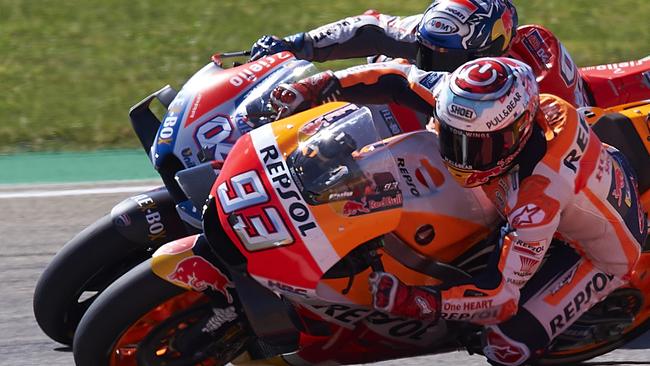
74	192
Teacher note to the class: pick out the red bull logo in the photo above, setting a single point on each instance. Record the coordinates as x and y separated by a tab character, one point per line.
200	275
477	178
385	202
353	208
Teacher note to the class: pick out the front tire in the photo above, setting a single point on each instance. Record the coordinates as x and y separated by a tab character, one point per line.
142	319
83	268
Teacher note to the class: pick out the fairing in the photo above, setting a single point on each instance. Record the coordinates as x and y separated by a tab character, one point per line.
212	109
603	86
286	196
556	71
618	83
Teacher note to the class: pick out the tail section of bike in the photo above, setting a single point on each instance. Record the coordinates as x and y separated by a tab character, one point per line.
618	83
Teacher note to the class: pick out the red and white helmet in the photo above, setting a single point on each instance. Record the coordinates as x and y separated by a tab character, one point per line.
485	112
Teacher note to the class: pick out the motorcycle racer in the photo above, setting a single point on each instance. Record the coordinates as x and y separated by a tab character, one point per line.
547	173
447	34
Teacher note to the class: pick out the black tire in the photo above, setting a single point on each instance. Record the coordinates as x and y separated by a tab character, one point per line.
571	358
137	294
83	268
578	358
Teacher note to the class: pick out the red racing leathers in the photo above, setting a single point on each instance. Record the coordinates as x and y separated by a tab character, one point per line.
564	182
373	33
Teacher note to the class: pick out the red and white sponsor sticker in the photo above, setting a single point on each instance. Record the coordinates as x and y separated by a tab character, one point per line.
530	248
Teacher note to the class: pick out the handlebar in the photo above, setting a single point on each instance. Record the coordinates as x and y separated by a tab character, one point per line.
218	57
236	54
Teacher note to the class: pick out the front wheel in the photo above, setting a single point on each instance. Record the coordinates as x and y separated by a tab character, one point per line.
82	269
143	320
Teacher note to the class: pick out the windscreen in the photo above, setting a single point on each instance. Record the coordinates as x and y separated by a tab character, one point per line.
345	160
256	106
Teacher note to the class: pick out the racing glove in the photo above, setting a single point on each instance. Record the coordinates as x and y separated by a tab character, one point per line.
269	45
392	296
287	99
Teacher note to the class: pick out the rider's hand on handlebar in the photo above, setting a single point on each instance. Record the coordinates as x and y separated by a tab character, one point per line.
390	295
269	45
287	99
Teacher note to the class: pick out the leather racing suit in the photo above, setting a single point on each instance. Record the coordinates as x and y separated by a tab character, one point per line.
373	33
565	183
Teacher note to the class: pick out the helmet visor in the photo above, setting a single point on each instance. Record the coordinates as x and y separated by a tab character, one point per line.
432	58
479	151
440	59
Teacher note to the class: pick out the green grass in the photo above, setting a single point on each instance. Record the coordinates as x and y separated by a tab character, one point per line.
70	70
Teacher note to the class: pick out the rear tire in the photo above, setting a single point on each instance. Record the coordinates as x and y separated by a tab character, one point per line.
582	353
83	268
142	319
579	357
595	352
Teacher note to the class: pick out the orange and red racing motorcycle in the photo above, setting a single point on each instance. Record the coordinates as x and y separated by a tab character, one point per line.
301	213
201	123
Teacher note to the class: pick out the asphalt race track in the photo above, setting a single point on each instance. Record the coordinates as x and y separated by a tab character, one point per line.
33	228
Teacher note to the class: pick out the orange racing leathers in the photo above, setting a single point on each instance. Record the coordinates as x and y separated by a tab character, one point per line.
373	33
566	184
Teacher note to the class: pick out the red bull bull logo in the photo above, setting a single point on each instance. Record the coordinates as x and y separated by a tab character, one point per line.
353	208
478	178
199	274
